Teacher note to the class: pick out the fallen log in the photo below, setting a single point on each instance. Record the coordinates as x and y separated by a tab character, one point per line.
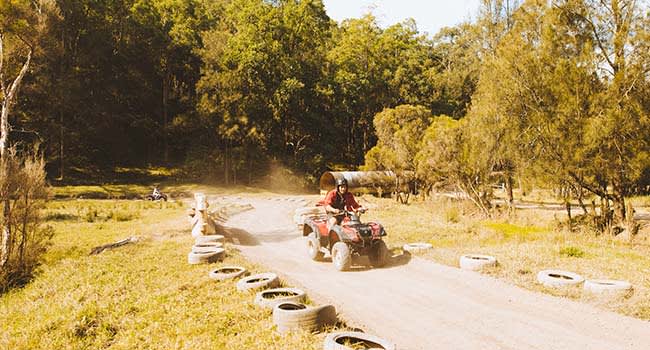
119	243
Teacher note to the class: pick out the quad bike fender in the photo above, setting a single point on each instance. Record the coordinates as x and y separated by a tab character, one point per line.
341	234
308	228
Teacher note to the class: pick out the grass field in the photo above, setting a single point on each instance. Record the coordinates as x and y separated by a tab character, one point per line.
524	245
146	296
139	296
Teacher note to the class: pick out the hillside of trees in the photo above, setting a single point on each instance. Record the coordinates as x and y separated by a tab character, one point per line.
556	91
233	82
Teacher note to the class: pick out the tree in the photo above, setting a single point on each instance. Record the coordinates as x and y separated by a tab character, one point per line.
571	105
399	133
262	68
21	24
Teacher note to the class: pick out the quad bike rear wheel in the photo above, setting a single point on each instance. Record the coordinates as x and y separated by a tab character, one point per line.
379	254
313	247
341	256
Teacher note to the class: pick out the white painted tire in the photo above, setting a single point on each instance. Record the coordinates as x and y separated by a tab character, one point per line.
207	247
608	287
205	257
209	238
271	297
416	247
290	316
476	262
259	281
227	272
336	341
559	278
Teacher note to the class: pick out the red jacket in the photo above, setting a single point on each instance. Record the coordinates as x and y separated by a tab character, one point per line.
347	202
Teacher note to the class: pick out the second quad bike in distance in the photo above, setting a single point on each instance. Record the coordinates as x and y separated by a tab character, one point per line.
343	241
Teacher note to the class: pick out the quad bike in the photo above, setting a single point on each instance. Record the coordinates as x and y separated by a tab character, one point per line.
157	197
343	241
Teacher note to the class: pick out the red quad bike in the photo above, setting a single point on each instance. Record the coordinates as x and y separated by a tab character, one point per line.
342	241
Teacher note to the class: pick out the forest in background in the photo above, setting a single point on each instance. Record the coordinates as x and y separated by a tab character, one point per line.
554	92
222	87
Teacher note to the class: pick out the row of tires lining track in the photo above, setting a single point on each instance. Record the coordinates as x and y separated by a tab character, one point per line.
548	278
289	311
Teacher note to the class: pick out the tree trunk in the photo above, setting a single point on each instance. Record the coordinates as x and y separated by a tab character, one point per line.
511	198
165	99
6	232
61	163
567	205
8	98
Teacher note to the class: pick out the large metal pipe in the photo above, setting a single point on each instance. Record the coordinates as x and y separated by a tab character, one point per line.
357	180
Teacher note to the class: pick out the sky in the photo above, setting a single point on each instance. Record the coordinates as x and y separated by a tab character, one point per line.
430	15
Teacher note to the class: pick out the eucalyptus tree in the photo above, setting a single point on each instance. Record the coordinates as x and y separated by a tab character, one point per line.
22	24
262	66
566	87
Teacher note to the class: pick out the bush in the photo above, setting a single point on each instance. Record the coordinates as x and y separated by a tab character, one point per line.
572	252
23	193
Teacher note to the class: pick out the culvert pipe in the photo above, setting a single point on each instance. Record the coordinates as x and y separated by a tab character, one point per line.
359	180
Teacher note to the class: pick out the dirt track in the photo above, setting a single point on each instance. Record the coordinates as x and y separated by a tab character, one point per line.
419	304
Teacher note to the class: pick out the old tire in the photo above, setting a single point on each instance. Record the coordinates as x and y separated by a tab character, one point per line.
379	254
610	288
559	278
289	316
205	257
208	238
227	272
338	341
416	247
259	281
207	247
476	262
313	247
341	256
271	297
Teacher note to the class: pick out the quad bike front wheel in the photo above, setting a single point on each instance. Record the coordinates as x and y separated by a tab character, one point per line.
341	256
379	254
313	247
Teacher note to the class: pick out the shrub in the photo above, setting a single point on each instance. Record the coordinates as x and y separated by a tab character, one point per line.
452	214
572	252
23	193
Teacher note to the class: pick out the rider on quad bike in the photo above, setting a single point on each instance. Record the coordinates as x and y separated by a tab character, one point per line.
156	195
342	234
338	201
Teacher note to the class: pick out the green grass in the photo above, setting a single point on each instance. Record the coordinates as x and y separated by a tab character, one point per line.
139	296
524	244
520	233
572	252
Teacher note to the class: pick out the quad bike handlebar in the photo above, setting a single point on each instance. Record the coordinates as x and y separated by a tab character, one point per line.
350	212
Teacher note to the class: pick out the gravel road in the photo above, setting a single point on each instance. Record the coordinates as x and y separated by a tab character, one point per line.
419	304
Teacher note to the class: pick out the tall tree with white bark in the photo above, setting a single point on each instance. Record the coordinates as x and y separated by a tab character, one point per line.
21	24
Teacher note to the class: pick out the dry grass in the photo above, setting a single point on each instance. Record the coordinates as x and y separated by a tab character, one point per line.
524	244
140	296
